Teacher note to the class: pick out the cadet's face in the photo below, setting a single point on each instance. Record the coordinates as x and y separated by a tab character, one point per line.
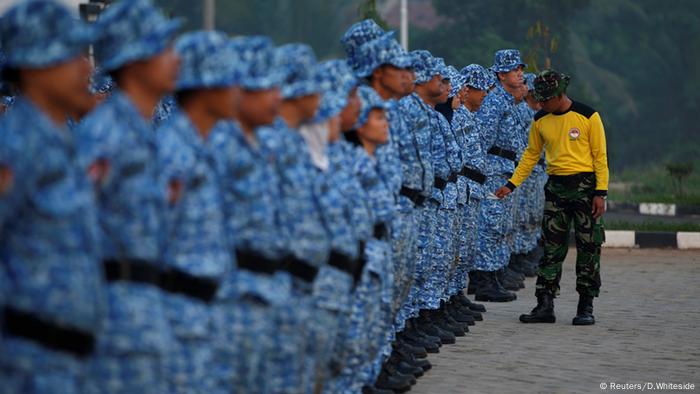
475	97
408	81
309	105
259	107
434	86
376	130
65	85
513	79
349	115
551	105
224	102
445	91
392	79
160	71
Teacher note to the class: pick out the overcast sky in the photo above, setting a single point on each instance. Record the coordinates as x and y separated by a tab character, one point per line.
73	4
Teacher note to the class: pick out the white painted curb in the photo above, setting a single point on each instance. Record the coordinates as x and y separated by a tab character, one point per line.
688	240
619	239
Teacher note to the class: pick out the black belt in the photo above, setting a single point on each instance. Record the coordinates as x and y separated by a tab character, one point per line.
132	270
541	162
571	178
29	326
257	263
180	282
413	195
170	280
504	153
300	269
440	183
474	175
453	177
380	231
342	262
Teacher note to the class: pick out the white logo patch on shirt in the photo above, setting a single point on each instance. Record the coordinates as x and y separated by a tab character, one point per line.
574	133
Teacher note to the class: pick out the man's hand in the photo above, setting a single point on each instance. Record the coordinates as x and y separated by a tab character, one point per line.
598	207
503	191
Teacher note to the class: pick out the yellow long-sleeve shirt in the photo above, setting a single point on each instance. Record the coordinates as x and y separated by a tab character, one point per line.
574	142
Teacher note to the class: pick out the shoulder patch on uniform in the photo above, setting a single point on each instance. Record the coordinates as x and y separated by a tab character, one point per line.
582	109
540	114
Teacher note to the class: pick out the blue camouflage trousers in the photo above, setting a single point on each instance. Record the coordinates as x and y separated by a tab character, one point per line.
468	230
443	256
189	364
244	329
426	232
27	367
364	333
136	338
495	229
404	237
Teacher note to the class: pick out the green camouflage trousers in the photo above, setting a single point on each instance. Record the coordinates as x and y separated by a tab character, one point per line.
569	199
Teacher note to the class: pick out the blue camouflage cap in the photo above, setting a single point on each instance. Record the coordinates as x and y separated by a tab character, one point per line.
442	68
456	80
207	60
359	34
42	33
378	52
507	60
529	81
425	65
132	30
369	100
298	64
257	53
478	77
336	81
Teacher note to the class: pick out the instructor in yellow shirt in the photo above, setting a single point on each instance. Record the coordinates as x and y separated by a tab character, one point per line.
572	135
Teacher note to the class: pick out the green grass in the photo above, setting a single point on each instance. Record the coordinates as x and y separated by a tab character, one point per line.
651	225
654	184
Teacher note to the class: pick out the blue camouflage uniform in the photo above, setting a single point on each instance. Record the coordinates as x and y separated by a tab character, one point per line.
421	123
499	117
196	240
474	157
137	335
346	215
370	323
381	50
530	200
301	219
247	303
49	254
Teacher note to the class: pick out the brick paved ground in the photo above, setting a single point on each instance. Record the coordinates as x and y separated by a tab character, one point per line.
647	330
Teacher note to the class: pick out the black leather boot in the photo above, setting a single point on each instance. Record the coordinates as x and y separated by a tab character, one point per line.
469	304
543	312
473	282
410	358
457	312
584	312
428	326
490	290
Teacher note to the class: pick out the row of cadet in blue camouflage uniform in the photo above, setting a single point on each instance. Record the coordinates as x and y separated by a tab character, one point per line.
220	214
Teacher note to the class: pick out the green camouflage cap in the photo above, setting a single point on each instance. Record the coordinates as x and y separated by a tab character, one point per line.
550	83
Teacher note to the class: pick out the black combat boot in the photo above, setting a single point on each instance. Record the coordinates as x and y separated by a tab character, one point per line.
543	312
410	358
428	326
508	282
459	312
473	282
439	318
584	312
474	307
490	290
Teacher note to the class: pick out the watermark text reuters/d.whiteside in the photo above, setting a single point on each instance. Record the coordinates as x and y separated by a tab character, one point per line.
646	386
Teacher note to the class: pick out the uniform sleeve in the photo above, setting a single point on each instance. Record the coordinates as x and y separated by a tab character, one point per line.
530	157
599	153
